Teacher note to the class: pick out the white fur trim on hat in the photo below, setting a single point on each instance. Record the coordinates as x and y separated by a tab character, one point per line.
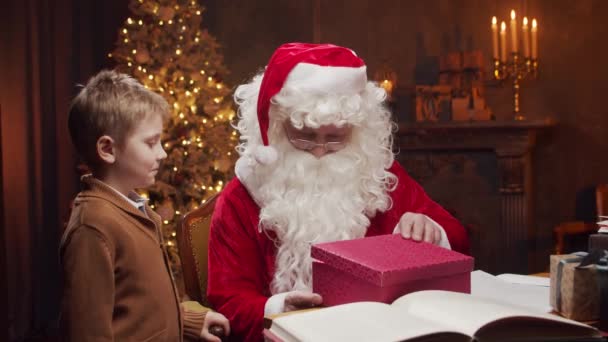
265	155
327	79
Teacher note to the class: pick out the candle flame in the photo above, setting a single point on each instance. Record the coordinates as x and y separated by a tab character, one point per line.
512	14
387	85
494	21
525	21
534	24
503	26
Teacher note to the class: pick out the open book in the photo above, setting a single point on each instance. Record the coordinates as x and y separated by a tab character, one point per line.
429	316
515	289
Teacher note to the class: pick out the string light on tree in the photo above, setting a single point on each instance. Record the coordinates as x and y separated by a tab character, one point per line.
163	45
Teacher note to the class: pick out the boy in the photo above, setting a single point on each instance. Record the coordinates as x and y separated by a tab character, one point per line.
117	281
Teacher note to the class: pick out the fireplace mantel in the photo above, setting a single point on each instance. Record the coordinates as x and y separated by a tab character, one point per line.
483	135
512	143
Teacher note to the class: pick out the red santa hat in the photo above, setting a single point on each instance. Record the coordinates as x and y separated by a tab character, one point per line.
317	68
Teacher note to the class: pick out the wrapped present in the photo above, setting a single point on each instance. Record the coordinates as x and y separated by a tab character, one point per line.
461	109
450	71
471	107
480	110
462	71
452	79
433	103
457	61
598	241
451	61
579	285
383	268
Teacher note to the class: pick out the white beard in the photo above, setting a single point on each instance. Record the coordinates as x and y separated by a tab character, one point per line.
306	200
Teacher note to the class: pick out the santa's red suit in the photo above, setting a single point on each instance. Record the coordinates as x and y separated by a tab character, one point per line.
242	259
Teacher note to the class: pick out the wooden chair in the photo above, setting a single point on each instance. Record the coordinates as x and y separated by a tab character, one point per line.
564	230
192	243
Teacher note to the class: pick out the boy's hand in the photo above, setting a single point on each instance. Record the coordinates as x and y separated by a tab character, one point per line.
213	319
297	300
418	227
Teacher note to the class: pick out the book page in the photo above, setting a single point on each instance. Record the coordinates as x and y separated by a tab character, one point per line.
523	279
467	314
531	296
362	321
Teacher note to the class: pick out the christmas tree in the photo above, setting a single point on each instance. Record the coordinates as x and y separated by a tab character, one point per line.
163	46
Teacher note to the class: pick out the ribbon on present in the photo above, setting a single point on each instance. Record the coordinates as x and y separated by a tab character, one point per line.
597	258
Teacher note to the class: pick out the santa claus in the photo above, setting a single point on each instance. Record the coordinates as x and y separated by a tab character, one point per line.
316	165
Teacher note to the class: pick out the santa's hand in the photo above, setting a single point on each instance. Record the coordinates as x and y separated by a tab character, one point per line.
418	227
297	300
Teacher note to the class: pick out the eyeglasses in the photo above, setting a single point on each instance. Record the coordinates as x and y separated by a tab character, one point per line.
308	145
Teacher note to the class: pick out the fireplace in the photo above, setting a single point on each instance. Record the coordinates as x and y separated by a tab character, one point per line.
482	173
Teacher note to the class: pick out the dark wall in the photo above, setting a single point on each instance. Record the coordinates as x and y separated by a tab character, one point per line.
572	87
249	31
572	83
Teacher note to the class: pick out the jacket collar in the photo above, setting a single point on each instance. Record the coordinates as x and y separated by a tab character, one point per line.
93	187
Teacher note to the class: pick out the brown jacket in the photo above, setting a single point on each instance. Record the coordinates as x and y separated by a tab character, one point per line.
117	281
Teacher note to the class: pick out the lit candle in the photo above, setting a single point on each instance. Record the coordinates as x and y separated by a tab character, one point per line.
534	39
526	39
494	38
513	32
503	42
387	85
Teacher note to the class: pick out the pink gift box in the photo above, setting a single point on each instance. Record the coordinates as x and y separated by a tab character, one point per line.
384	268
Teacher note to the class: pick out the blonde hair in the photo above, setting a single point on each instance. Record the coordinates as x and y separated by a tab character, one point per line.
111	103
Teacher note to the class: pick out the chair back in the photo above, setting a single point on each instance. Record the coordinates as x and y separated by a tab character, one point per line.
193	241
601	199
579	229
570	230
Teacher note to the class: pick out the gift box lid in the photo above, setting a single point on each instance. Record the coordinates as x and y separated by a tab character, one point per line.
390	259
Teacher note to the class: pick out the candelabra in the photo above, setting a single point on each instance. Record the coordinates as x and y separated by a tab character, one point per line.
516	69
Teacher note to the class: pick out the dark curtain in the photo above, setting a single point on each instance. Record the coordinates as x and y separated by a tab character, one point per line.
46	48
3	289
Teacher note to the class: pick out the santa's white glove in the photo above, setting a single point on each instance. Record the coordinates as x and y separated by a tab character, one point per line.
420	227
290	301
